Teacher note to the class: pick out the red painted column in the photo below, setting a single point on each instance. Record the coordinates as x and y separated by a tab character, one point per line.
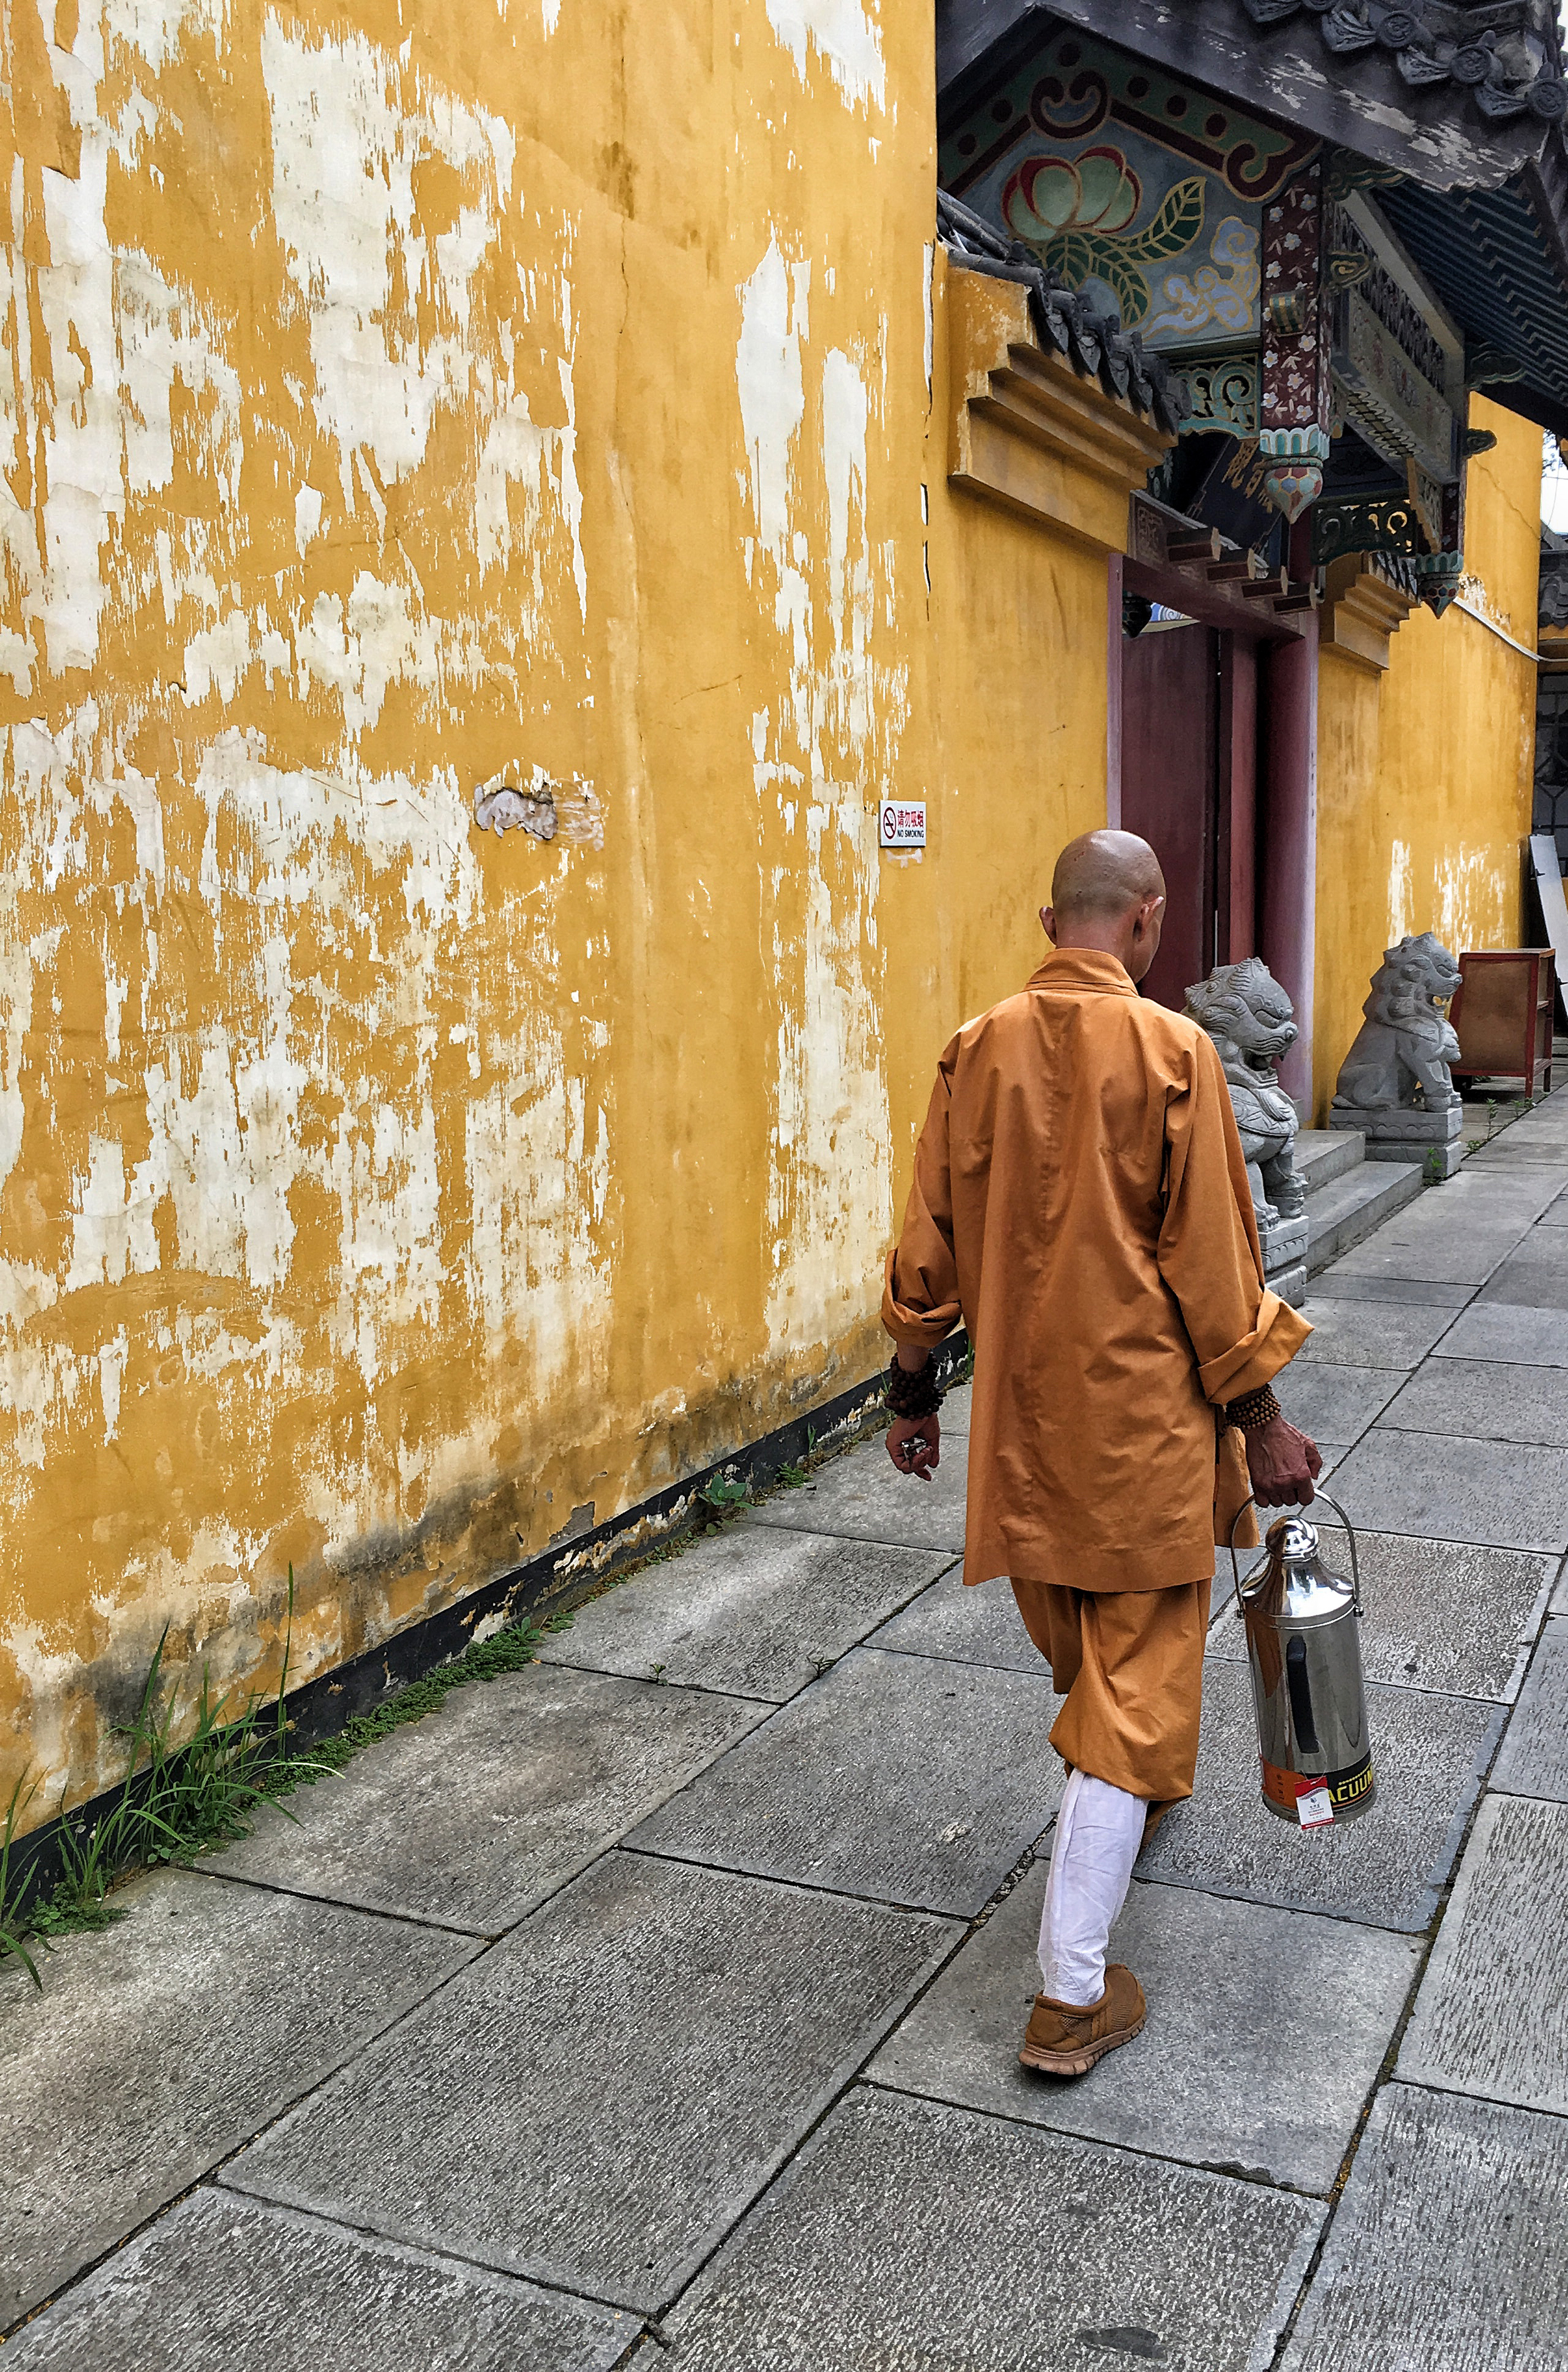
1238	799
1287	872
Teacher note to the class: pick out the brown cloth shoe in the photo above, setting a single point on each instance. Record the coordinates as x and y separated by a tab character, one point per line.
1065	2039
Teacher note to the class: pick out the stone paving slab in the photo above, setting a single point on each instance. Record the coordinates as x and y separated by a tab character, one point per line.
862	1496
1501	1330
1534	1756
222	2280
1449	2249
1557	1216
1456	1490
1534	1277
1424	1293
595	2100
162	2044
981	1626
1364	1334
476	1813
755	1611
1456	1255
1439	1614
915	2236
1457	1232
1486	1400
1337	1401
1492	2015
955	1409
1241	1998
1384	1868
898	1777
1540	1153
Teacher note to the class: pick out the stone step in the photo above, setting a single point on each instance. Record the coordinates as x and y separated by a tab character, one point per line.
1350	1206
1325	1154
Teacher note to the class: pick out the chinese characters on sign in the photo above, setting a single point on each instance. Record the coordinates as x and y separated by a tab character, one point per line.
901	823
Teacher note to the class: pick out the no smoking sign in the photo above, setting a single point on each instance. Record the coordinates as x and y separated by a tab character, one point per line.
901	823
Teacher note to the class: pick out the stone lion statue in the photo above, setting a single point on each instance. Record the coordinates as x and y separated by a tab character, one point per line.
1405	1045
1252	1023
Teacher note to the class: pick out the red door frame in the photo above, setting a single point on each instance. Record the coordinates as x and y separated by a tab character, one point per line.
1268	878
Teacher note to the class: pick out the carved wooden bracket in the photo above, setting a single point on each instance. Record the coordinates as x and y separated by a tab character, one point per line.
1362	608
1027	431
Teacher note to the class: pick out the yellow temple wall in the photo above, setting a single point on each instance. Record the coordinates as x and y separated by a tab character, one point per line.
1425	772
401	396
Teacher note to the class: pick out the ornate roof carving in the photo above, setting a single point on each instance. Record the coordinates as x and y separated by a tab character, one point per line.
1504	57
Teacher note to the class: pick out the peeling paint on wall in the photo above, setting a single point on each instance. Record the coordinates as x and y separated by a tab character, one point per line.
812	757
265	1136
844	34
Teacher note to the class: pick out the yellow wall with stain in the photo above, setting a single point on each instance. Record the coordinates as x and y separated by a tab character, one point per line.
399	396
1424	774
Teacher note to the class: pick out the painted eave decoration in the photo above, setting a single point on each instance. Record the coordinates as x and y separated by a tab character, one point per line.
1455	97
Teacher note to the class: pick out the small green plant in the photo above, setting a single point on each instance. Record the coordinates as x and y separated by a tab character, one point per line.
1433	1169
792	1477
657	1672
721	1498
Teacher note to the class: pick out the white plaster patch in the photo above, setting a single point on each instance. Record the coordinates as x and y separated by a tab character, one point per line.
844	34
1401	892
812	762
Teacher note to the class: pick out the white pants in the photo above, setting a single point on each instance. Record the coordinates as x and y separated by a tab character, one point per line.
1098	1832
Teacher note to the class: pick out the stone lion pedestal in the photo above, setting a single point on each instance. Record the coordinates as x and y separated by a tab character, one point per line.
1252	1022
1395	1085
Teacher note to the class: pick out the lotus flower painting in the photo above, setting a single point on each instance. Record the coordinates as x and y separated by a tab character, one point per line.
1078	214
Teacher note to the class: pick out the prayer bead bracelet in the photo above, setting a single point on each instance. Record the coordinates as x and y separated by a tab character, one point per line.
911	1391
1253	1411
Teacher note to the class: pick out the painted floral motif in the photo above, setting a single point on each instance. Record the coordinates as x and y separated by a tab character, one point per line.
1221	295
1077	216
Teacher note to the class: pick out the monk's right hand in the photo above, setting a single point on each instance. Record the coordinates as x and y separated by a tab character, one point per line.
1283	1463
914	1444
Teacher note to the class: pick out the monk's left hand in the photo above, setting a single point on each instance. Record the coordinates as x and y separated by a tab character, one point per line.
914	1444
1283	1462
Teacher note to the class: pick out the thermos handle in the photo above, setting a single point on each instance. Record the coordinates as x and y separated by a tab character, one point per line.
1350	1534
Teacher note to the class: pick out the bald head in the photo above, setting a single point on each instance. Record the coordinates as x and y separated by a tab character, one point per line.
1108	893
1103	875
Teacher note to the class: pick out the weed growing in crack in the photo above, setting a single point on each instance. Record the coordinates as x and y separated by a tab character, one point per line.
511	1650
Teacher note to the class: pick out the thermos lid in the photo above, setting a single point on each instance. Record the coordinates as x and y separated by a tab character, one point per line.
1311	1592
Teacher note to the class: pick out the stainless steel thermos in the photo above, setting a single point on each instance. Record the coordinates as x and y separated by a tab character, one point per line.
1303	1649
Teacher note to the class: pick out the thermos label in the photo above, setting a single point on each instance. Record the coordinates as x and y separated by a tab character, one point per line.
1287	1790
1314	1805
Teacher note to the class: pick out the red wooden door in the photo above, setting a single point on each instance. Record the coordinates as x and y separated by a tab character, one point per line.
1171	682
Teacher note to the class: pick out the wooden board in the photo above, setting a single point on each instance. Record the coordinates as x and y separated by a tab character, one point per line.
1553	907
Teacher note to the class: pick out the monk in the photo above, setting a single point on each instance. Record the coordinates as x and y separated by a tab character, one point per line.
1081	1203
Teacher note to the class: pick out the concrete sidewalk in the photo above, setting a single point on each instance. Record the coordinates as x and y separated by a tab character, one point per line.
662	2002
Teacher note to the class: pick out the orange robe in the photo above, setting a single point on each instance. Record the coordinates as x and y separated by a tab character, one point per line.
1081	1203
